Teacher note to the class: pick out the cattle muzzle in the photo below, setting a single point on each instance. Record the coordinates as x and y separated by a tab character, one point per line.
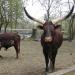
48	39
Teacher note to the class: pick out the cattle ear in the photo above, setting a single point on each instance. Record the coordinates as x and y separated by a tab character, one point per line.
40	27
58	27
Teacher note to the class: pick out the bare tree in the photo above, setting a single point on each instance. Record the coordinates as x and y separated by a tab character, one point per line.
71	29
1	16
47	5
52	8
74	1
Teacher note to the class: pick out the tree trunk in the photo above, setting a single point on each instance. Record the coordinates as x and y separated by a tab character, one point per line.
34	31
6	27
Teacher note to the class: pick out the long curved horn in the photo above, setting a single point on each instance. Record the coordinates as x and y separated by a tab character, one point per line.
61	19
31	17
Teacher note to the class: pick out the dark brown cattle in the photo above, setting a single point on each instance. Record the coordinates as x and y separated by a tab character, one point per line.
51	39
10	39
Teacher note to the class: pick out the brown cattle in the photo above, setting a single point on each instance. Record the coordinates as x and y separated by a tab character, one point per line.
51	39
10	39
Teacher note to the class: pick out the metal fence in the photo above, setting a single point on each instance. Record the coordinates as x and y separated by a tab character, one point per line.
24	33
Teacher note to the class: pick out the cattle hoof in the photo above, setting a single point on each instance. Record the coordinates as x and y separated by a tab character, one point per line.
16	57
46	70
51	70
1	56
46	73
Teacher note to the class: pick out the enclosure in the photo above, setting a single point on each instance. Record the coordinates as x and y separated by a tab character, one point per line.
31	59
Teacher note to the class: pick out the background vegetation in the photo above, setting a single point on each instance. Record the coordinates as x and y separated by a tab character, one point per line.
12	15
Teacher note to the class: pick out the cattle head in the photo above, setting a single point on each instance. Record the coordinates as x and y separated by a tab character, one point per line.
49	27
49	30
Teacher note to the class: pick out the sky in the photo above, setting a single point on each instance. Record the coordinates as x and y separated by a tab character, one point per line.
36	10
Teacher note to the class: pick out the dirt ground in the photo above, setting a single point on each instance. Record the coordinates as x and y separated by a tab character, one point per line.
31	60
70	73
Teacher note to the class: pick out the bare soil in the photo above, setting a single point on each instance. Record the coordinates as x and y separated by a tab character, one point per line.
31	59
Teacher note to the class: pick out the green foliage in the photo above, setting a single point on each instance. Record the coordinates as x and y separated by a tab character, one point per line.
11	12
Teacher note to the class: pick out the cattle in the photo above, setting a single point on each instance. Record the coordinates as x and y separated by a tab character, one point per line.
10	39
51	39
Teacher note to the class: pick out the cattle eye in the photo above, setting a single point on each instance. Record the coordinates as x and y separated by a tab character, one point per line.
40	27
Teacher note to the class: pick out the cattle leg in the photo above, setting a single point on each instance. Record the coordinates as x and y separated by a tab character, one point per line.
1	56
19	47
17	51
52	62
46	60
